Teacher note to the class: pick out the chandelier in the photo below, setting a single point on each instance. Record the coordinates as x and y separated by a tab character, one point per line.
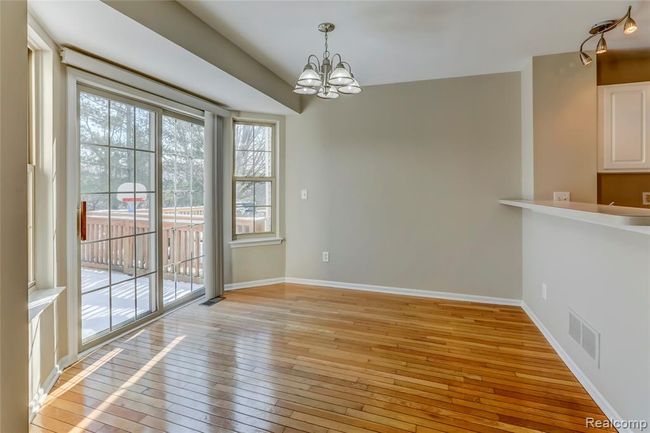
599	29
318	78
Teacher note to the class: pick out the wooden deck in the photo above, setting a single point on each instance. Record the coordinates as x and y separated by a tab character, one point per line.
289	358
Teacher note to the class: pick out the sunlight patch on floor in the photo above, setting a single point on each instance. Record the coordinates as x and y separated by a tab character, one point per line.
132	380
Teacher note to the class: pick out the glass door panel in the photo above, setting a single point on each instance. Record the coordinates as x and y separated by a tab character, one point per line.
182	213
118	183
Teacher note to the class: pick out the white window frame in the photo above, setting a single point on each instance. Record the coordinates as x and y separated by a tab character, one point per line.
242	239
47	133
35	109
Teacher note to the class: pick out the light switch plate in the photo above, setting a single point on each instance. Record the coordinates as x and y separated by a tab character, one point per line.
304	194
561	196
326	256
645	198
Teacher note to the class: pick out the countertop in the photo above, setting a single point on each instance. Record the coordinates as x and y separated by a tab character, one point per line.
622	217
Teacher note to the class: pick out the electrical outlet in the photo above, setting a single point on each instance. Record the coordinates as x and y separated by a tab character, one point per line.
645	198
326	256
561	196
304	194
544	291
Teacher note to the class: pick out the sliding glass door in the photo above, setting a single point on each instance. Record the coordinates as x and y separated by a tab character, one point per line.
182	189
126	225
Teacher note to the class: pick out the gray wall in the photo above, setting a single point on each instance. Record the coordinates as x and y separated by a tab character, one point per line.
603	274
404	182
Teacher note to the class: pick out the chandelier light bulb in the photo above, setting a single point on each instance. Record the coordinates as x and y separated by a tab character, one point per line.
340	76
302	90
350	89
328	93
309	77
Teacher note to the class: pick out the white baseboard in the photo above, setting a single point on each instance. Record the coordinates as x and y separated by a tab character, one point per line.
407	292
45	388
254	283
374	288
596	395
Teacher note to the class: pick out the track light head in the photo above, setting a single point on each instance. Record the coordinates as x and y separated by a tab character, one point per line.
601	48
585	58
629	26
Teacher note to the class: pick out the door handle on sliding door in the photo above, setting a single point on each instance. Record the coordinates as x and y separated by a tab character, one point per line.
82	220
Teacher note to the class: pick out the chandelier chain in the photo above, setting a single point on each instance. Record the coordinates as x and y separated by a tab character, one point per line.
327	52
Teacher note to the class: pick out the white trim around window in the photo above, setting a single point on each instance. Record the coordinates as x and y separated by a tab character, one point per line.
256	241
274	237
41	165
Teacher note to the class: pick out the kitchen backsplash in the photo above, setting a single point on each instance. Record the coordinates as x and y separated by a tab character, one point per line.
624	189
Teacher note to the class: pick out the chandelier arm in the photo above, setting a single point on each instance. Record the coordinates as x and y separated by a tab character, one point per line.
347	64
316	63
340	59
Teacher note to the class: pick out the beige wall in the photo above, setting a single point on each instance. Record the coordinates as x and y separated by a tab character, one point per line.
565	127
527	131
47	350
252	263
404	182
13	217
256	263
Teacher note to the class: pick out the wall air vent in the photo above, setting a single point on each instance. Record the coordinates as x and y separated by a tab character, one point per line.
585	335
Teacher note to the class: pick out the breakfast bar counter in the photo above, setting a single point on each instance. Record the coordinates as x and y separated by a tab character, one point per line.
621	217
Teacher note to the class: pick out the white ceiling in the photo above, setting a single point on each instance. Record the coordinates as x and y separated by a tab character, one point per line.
398	41
385	41
99	29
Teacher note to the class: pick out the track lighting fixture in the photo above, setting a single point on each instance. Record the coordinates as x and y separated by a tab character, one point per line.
599	29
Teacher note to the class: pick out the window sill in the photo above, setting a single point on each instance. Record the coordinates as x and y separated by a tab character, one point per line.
40	299
255	242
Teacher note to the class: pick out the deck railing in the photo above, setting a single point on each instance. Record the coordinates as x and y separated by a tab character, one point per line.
182	238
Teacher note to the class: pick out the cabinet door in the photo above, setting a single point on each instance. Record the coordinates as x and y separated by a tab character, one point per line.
624	120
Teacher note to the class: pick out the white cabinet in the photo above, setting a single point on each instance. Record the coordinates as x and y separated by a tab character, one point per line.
624	120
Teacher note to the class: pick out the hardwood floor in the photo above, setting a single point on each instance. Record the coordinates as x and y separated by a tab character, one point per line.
289	358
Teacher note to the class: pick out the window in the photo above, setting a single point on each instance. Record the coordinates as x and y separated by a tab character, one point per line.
253	179
31	169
